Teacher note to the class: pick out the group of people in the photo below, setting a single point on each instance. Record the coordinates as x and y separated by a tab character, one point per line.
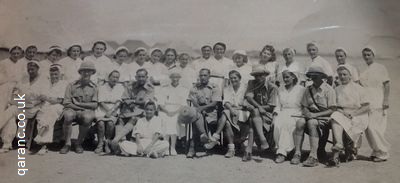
140	104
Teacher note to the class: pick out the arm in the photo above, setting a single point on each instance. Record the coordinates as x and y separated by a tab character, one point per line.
155	138
85	105
140	149
386	92
205	107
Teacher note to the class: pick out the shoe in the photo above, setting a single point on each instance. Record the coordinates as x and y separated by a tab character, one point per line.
99	148
204	138
173	152
280	158
230	153
322	155
378	160
43	151
334	162
246	157
107	149
79	149
211	144
191	154
310	162
65	149
153	155
296	159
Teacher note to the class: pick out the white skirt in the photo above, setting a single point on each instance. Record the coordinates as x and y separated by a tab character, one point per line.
353	127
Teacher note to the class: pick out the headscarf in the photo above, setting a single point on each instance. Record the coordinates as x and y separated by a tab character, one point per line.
372	49
341	49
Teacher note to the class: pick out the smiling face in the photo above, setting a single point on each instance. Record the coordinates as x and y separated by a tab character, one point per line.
32	70
122	56
150	111
54	75
344	76
54	56
288	79
219	51
175	79
204	77
141	57
141	77
31	53
113	78
340	57
234	78
75	52
184	60
265	56
238	60
206	52
368	56
16	54
312	51
98	50
156	56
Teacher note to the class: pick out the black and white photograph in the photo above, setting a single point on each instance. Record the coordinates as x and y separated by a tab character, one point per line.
199	91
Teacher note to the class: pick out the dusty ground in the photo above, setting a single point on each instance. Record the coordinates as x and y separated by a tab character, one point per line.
88	167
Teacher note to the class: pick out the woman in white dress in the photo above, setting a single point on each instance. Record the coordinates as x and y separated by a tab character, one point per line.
291	65
120	63
351	116
376	81
289	99
341	55
71	63
14	66
242	65
53	57
102	63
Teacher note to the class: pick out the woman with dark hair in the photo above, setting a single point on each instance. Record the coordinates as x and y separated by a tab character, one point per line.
242	65
186	70
376	81
220	65
268	60
292	65
120	63
102	63
71	63
289	98
13	66
53	57
235	115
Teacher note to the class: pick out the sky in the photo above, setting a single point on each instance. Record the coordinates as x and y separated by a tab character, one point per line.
241	24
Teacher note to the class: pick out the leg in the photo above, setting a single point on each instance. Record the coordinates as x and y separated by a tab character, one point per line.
69	117
173	145
258	128
100	136
375	134
86	118
337	130
298	137
312	160
229	136
8	134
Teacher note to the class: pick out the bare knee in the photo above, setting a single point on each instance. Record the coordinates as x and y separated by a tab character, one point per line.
300	124
69	116
87	118
312	123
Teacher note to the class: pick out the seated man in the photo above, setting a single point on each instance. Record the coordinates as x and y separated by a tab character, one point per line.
134	98
261	95
204	97
80	101
317	105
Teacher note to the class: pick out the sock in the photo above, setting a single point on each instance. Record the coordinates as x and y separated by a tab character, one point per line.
231	146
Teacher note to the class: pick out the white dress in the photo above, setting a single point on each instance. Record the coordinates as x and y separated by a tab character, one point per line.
244	71
109	96
103	67
70	68
15	71
372	79
236	100
350	97
8	114
173	98
289	103
272	68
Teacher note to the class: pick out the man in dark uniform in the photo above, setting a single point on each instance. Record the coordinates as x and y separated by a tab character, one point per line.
261	95
80	102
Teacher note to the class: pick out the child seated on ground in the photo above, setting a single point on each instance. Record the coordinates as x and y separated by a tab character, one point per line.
147	134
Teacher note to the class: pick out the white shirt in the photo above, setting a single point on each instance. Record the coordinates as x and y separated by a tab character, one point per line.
110	95
172	97
290	99
201	63
220	67
15	71
134	66
353	70
147	129
272	68
324	64
235	98
372	79
103	67
123	69
70	68
244	71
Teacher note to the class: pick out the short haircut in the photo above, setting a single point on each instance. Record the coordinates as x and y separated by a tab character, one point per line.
141	70
220	44
205	46
31	47
99	42
114	71
205	69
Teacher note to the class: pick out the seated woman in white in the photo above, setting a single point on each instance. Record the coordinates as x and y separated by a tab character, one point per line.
147	134
351	117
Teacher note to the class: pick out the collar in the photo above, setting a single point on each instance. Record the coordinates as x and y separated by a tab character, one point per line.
147	85
79	82
209	85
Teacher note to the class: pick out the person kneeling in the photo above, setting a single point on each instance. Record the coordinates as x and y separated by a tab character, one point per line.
147	134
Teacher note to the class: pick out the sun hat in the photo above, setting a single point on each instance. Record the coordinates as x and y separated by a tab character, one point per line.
316	71
259	70
188	115
87	65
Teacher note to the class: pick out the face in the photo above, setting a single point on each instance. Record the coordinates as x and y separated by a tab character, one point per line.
239	60
260	77
33	70
170	57
54	76
219	51
368	56
288	56
234	79
54	56
98	50
85	74
317	80
156	56
287	78
312	51
16	54
344	76
75	52
183	61
114	78
141	77
206	52
30	53
122	56
340	57
266	55
141	58
150	111
175	79
204	77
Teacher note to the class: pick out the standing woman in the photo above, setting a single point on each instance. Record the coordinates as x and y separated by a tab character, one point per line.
102	63
186	70
156	64
140	56
268	60
71	63
242	65
351	116
13	66
289	99
53	57
318	61
291	65
121	59
376	81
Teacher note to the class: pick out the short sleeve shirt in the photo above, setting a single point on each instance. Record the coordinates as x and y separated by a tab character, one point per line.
204	95
324	96
139	92
110	95
263	93
147	128
350	96
82	93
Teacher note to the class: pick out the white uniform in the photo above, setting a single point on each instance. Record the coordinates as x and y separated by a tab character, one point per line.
322	63
103	67
14	71
70	68
109	96
8	114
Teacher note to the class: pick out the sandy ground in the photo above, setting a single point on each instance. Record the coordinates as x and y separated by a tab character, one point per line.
89	167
